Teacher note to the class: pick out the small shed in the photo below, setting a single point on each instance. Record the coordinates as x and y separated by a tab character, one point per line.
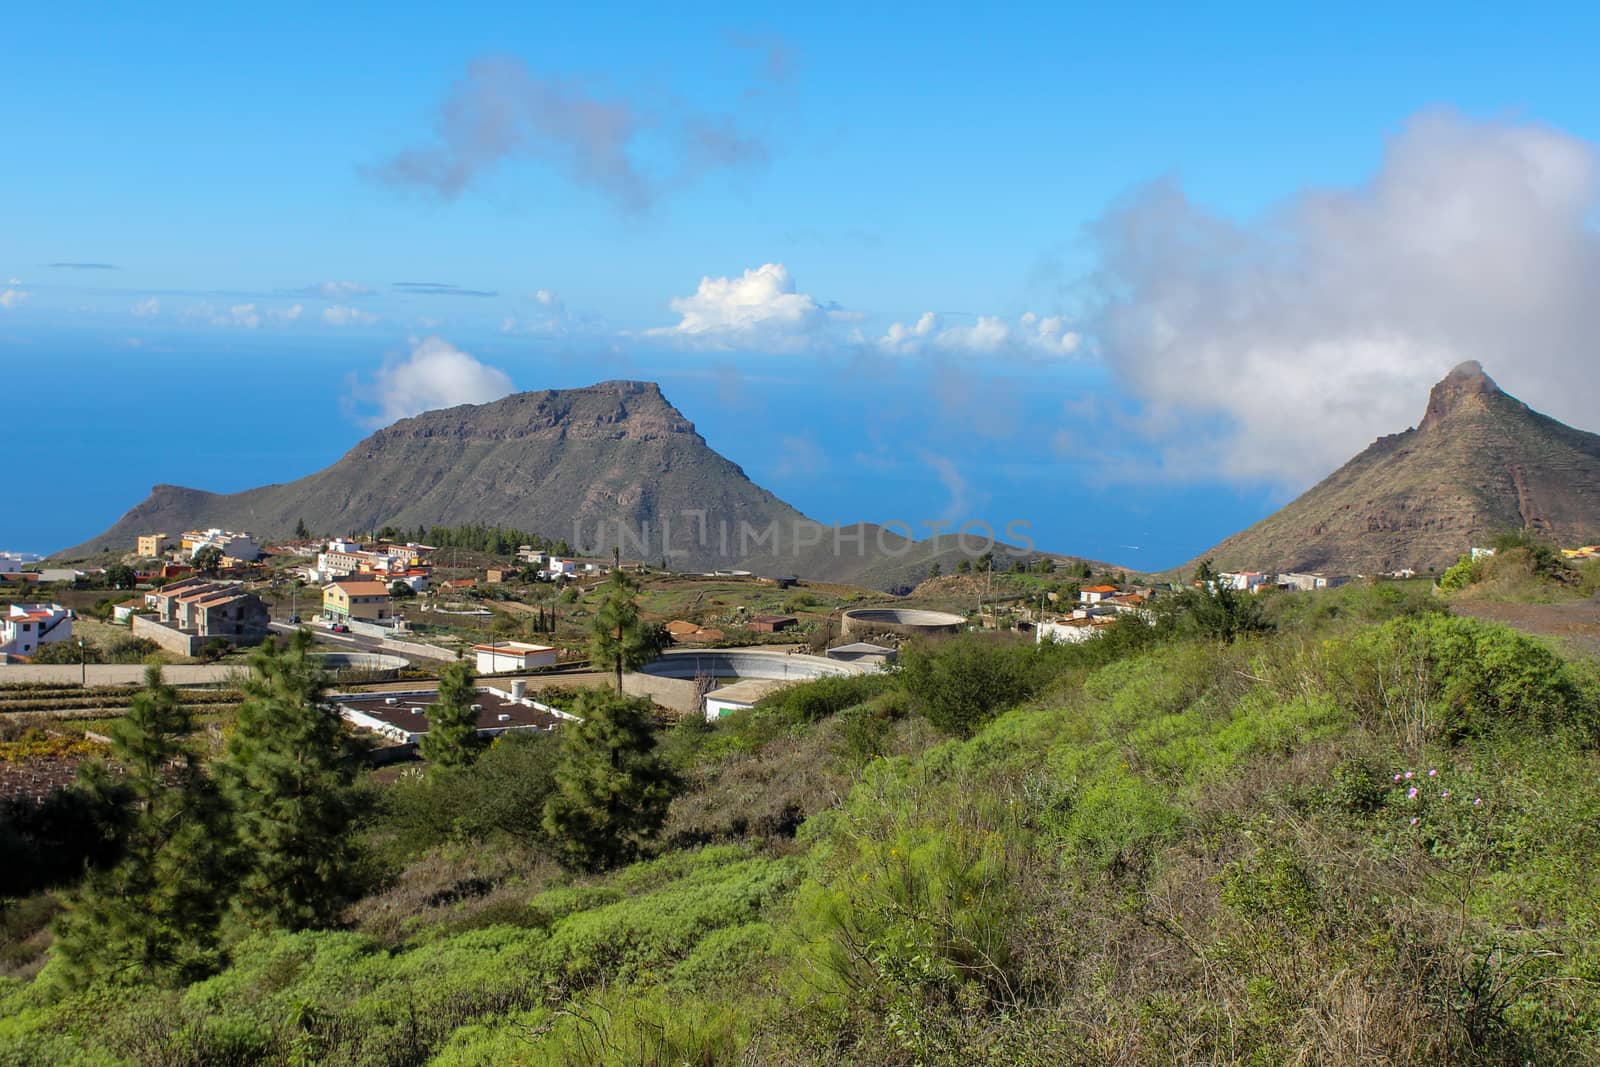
739	696
772	624
513	656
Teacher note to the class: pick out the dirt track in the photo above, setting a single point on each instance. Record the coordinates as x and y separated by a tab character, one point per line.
1577	624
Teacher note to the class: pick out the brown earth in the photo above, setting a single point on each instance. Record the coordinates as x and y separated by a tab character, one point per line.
1578	624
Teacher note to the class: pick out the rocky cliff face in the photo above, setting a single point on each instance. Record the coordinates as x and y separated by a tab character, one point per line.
1480	462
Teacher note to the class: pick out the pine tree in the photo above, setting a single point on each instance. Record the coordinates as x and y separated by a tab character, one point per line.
618	639
611	788
452	737
286	772
154	915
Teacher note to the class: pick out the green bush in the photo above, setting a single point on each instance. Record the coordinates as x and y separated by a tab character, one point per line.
502	793
815	700
1448	678
958	683
1464	572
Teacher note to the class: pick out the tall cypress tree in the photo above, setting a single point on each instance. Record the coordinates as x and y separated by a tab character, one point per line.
612	789
452	737
154	915
288	775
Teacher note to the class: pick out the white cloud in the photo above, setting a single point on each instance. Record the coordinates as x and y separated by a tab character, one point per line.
905	339
958	507
342	290
244	315
338	315
1031	335
147	308
249	317
1274	350
547	298
10	298
14	281
435	375
759	309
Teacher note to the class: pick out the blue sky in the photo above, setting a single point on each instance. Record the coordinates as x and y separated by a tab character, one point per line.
1133	276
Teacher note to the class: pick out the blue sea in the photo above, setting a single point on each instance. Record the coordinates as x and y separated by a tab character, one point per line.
100	419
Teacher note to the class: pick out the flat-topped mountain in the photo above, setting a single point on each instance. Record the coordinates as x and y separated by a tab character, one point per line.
565	463
1480	462
610	464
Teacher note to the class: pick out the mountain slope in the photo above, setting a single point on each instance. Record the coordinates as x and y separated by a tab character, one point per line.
1480	462
563	463
610	464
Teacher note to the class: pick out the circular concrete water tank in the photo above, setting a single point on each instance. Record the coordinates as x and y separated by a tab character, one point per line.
908	622
747	663
374	666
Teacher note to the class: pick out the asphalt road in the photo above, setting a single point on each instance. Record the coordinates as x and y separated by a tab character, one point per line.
322	635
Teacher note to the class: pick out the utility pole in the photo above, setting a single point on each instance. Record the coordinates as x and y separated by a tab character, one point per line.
83	666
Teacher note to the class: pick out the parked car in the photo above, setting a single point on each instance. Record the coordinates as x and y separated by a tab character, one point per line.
294	620
339	628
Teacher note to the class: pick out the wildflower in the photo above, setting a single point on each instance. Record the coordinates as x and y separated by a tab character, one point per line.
1478	802
1414	821
1397	777
1412	793
1445	794
1432	772
1408	776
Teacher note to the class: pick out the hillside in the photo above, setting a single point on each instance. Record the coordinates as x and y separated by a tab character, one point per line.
1151	848
1479	463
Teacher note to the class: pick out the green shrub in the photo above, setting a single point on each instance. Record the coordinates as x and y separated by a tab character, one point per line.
1448	677
1464	572
815	700
960	682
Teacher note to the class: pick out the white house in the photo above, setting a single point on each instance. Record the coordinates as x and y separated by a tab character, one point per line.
25	627
10	564
561	568
513	656
237	545
1069	631
1246	581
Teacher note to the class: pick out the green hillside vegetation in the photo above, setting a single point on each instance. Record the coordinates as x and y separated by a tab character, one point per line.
1363	832
1523	569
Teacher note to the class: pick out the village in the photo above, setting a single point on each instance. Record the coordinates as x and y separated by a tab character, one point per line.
390	613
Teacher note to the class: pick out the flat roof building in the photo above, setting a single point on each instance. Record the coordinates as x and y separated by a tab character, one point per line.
504	656
403	717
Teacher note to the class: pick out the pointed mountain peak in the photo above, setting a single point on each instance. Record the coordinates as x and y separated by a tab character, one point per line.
1466	380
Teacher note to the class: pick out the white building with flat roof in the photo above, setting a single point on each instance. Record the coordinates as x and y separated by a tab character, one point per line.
505	656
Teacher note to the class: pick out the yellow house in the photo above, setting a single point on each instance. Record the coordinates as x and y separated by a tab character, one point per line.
151	546
367	601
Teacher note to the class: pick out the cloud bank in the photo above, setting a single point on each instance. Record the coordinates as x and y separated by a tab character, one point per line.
1030	335
436	374
1273	350
502	109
